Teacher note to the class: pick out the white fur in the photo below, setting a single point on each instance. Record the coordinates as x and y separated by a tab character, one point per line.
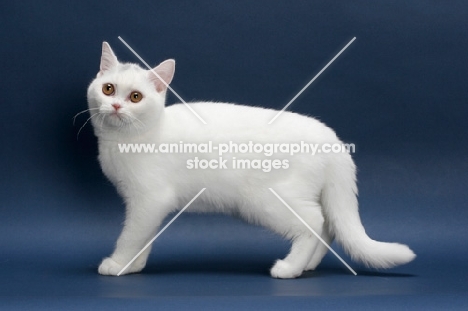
321	188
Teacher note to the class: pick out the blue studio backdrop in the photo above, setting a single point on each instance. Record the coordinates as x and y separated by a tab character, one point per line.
398	93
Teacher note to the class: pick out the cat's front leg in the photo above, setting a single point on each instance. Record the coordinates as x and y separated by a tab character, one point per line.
144	216
109	266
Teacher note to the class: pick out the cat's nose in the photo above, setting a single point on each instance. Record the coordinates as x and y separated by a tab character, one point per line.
116	106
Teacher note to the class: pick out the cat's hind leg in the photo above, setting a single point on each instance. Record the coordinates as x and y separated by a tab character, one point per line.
304	241
293	265
321	250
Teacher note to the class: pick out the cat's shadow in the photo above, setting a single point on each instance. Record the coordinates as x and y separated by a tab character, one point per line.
384	274
325	272
251	267
209	266
246	267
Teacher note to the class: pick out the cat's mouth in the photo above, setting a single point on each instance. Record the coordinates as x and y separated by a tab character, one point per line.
116	118
116	114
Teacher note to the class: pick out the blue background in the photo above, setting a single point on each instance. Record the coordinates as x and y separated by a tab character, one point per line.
398	92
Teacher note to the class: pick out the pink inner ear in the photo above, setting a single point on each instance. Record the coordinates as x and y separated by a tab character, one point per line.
108	58
158	84
165	71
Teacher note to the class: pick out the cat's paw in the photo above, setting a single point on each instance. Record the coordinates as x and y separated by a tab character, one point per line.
284	270
109	267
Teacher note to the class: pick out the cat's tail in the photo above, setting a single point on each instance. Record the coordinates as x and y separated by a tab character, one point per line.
341	209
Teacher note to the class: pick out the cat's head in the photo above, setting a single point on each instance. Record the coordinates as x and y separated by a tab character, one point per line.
126	98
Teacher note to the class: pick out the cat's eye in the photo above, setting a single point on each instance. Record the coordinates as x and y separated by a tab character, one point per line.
108	89
135	97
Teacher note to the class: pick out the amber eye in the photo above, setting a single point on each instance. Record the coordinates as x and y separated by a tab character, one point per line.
108	89
135	97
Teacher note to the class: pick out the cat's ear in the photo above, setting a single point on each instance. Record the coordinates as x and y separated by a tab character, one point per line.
165	71
108	59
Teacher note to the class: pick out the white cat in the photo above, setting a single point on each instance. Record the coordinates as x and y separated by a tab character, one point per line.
127	105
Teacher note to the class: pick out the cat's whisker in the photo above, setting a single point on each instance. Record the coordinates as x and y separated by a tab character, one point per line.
79	131
81	112
121	126
136	128
142	125
102	119
129	118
